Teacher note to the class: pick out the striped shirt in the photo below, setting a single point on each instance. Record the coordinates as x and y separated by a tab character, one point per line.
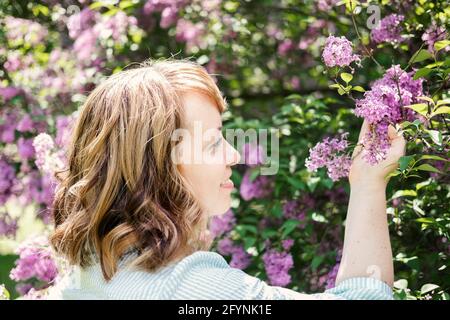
201	275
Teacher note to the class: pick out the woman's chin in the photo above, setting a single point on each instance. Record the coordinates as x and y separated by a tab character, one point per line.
222	210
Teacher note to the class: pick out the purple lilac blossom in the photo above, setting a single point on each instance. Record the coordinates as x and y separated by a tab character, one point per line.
259	188
433	34
277	266
253	154
331	276
35	261
8	225
7	180
384	105
239	257
389	29
327	154
222	224
338	51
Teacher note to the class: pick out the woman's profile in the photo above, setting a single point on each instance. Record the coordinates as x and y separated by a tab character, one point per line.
133	206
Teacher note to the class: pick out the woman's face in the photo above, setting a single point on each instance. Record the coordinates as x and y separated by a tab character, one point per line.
207	156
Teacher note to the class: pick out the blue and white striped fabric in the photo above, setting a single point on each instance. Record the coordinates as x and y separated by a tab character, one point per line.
204	275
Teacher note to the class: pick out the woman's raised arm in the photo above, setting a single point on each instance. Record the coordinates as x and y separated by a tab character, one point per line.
367	248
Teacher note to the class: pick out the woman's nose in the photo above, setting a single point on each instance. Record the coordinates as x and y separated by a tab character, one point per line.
232	156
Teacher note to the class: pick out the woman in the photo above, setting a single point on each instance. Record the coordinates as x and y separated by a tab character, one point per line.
132	210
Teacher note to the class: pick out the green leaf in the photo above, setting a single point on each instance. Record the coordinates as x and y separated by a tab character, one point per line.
441	110
421	108
442	102
294	96
401	284
428	99
434	64
427	167
439	45
249	242
297	183
425	220
347	77
404	161
334	86
312	183
404	193
341	91
422	184
253	175
125	4
327	182
431	157
316	261
421	73
392	174
247	228
4	293
420	55
288	227
269	233
436	136
417	123
428	287
405	124
359	89
277	211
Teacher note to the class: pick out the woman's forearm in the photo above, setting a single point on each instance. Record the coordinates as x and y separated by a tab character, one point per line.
367	248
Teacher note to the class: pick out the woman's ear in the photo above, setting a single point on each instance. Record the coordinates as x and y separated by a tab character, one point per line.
179	138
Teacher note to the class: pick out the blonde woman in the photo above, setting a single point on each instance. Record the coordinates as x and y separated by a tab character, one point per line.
133	219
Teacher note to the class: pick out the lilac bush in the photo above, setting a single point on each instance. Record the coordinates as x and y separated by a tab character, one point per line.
279	69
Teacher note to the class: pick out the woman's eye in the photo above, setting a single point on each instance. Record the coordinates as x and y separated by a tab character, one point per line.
216	144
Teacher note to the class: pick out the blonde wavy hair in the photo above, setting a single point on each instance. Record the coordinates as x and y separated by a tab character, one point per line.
121	189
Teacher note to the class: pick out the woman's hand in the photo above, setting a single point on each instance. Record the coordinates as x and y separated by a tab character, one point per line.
362	172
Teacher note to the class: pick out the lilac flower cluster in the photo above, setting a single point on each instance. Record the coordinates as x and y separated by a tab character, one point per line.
297	209
64	125
331	276
190	33
287	244
328	153
239	257
277	265
433	34
7	180
43	145
88	27
285	46
35	262
8	225
338	51
326	5
22	30
169	10
222	224
383	105
253	155
260	187
389	29
7	93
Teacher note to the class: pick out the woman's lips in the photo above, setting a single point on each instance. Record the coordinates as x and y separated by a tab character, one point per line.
227	184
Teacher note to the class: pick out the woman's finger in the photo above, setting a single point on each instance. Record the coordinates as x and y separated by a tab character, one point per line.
365	127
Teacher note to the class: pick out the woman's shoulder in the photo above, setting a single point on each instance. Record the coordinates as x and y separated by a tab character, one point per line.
133	283
202	259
